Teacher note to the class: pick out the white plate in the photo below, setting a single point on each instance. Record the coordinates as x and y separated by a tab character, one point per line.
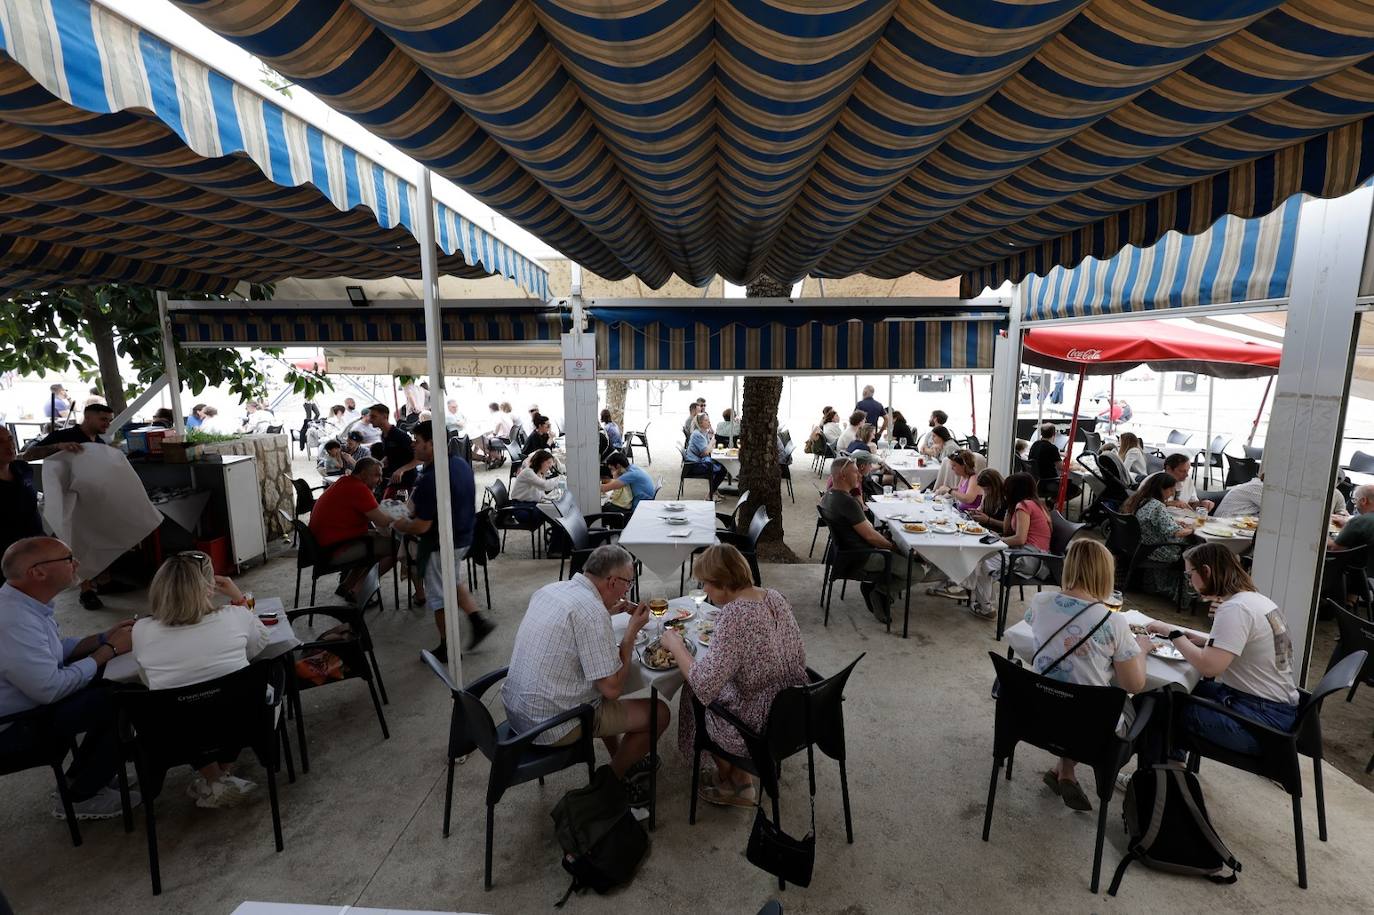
676	521
679	533
674	507
1167	651
942	529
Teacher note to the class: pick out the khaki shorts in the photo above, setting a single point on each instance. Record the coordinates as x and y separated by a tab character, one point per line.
612	718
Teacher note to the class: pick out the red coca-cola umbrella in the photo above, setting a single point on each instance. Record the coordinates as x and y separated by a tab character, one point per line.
1113	348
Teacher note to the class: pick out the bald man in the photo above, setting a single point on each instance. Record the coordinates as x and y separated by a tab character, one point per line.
40	668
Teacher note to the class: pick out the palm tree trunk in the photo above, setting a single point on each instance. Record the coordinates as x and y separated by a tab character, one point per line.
615	399
758	443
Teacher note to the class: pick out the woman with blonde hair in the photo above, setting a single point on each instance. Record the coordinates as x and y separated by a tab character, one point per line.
756	653
1080	641
189	640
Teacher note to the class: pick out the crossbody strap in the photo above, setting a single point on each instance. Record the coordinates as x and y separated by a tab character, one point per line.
1077	645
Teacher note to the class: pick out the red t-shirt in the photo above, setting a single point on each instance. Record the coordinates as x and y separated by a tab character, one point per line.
1039	534
340	513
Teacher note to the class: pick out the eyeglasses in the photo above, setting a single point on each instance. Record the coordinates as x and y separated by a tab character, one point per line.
615	578
68	558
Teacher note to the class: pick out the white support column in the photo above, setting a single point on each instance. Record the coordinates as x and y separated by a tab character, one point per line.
434	356
169	362
580	415
1302	447
1006	381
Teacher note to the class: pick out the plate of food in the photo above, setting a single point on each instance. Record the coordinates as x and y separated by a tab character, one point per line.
676	520
655	657
679	614
1217	530
975	530
944	527
914	527
1164	649
705	629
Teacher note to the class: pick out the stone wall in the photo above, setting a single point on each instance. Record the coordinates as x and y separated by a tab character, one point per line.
273	453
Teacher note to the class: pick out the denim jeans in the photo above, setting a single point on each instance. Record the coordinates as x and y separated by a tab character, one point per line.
89	711
1225	731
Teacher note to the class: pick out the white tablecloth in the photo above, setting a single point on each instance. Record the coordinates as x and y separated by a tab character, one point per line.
1218	530
667	682
956	555
728	460
906	463
664	547
1158	671
281	639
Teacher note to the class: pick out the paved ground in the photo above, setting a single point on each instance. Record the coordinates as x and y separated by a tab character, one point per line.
364	826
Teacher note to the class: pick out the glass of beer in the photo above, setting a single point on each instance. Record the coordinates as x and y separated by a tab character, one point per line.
249	600
658	608
1114	601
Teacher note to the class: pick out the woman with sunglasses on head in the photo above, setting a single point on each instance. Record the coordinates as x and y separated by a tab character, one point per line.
189	640
1247	657
965	491
756	653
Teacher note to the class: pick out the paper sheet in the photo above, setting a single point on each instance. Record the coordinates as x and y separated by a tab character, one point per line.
95	502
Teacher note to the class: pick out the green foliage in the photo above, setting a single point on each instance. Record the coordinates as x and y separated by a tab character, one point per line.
197	437
55	330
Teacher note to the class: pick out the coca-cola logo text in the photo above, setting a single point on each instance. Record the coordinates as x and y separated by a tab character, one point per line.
1084	355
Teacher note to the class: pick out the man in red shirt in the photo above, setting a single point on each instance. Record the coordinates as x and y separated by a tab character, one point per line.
340	519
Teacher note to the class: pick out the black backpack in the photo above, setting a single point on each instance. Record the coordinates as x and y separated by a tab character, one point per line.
1168	829
602	841
486	539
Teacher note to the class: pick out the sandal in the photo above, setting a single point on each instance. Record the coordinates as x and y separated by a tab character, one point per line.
728	795
1051	780
1073	796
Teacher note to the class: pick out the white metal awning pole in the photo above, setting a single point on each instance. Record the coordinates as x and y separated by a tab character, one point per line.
434	356
169	362
1310	398
1006	389
1207	442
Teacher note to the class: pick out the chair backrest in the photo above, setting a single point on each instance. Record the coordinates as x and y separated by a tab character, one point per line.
974	444
1361	462
273	430
575	526
305	499
1123	533
1154	463
1062	530
203	722
788	724
500	496
1343	675
460	445
1066	719
1240	470
518	436
307	547
722	441
1218	445
1178	438
787	450
471	727
756	526
1092	441
1254	452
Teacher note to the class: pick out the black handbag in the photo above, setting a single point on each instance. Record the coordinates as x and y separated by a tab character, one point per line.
773	850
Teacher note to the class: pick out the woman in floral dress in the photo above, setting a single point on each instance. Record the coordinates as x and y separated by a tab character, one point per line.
1157	526
756	653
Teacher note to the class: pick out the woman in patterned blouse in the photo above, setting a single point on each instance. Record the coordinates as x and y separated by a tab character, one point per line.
756	653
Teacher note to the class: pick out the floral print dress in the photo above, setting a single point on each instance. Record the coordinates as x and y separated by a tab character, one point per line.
756	653
1158	526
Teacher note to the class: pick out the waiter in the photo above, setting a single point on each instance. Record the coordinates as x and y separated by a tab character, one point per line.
95	422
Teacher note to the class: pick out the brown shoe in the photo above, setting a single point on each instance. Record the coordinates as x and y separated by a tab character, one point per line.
1073	796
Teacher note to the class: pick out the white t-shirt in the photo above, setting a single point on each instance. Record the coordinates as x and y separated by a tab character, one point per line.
1251	627
1185	491
222	642
848	435
1092	663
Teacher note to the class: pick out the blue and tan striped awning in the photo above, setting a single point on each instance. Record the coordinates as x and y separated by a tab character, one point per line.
123	159
973	138
1237	260
263	324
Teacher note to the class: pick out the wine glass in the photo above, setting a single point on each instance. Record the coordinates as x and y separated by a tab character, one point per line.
699	596
901	443
249	600
658	608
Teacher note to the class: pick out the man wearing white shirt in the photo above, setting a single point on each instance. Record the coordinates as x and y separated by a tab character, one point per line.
453	417
259	419
1180	467
504	423
856	419
350	413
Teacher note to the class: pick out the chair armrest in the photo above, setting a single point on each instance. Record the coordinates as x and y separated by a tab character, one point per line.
726	519
342	614
584	712
1143	713
601	533
485	682
735	539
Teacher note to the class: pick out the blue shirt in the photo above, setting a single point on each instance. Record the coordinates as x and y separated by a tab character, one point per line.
872	409
641	484
699	447
614	435
193	421
856	445
33	668
462	492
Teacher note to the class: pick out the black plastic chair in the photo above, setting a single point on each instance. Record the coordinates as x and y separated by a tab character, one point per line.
1154	462
46	749
1108	491
747	543
814	710
821	452
1254	452
516	457
1124	539
477	556
310	555
641	439
204	722
820	526
1356	634
1212	458
785	469
510	517
1280	751
847	565
460	445
1239	470
1345	575
1065	719
1062	532
976	445
581	539
730	520
305	496
691	470
359	663
515	758
1361	462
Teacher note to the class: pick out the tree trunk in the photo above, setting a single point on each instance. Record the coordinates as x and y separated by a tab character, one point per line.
758	444
615	399
107	357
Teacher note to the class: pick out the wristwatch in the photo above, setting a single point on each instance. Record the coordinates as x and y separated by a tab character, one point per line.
1175	634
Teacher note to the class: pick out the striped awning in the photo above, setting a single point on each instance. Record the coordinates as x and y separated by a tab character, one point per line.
972	138
218	324
1237	260
672	348
123	159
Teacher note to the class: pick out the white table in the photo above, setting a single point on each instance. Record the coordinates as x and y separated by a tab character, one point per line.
667	682
729	459
955	555
1158	671
1217	530
908	464
664	547
281	639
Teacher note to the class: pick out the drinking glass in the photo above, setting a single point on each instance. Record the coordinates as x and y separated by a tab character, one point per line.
887	490
1113	603
249	600
1201	515
901	443
699	596
658	608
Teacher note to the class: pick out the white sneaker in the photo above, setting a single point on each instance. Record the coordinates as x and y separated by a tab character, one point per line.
198	788
224	792
105	805
241	785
